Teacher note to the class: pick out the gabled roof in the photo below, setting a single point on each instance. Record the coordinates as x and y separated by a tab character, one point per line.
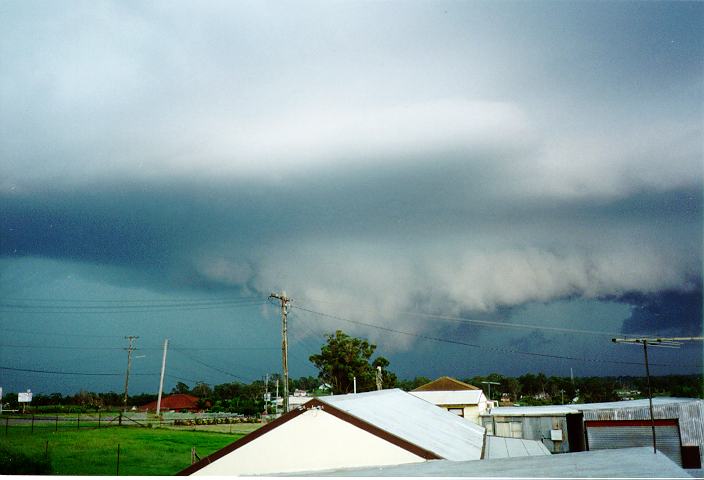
445	384
415	420
408	422
456	397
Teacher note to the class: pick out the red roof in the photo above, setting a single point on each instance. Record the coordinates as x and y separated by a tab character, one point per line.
178	401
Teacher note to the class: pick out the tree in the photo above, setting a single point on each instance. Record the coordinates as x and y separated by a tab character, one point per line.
180	388
344	358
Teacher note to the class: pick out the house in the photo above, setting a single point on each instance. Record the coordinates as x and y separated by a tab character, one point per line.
457	397
620	463
385	427
176	403
679	426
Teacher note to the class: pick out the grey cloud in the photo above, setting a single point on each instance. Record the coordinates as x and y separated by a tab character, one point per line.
358	155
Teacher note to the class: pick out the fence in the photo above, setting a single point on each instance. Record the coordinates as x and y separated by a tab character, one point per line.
29	423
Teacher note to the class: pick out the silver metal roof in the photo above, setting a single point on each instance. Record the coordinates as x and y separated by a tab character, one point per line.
618	463
548	410
504	447
542	410
641	402
454	397
416	421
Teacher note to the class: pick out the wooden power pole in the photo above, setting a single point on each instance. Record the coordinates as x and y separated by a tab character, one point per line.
129	349
161	380
284	342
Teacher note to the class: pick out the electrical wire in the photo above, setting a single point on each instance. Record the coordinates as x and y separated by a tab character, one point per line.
72	347
484	347
57	334
490	323
88	309
92	374
212	367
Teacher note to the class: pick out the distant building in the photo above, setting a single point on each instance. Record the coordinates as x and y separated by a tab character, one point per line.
177	402
595	426
455	396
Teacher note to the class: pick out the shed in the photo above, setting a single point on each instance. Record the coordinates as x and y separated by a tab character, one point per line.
679	426
386	427
457	397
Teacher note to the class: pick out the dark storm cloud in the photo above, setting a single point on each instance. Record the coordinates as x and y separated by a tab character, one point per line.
668	313
469	162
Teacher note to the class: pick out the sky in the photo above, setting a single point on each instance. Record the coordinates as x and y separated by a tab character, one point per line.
473	186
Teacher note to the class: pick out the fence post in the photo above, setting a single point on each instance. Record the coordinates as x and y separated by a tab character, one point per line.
32	424
117	473
119	422
56	426
78	421
98	419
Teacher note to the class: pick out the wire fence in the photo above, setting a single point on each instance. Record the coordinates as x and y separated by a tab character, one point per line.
10	424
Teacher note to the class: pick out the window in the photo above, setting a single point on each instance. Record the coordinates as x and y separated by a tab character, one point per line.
457	411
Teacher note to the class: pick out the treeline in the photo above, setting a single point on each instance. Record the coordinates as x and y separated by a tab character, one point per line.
248	399
539	389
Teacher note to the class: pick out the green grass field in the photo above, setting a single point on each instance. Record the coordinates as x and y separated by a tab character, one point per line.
143	451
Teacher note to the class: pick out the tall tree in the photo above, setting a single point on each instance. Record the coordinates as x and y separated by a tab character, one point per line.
344	358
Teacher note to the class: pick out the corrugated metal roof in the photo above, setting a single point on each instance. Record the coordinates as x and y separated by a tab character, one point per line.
548	410
416	421
457	397
618	463
641	402
503	447
542	410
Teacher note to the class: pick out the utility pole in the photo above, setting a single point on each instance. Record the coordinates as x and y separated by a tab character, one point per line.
161	381
266	394
379	378
284	342
670	342
129	349
490	384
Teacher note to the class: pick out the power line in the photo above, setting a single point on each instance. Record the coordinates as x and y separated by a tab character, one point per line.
84	309
55	372
217	369
483	347
491	323
55	334
71	347
141	301
92	374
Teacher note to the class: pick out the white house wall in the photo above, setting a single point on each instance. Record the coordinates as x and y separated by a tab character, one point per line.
314	440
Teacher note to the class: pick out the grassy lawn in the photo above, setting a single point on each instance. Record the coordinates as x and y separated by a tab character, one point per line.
143	451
